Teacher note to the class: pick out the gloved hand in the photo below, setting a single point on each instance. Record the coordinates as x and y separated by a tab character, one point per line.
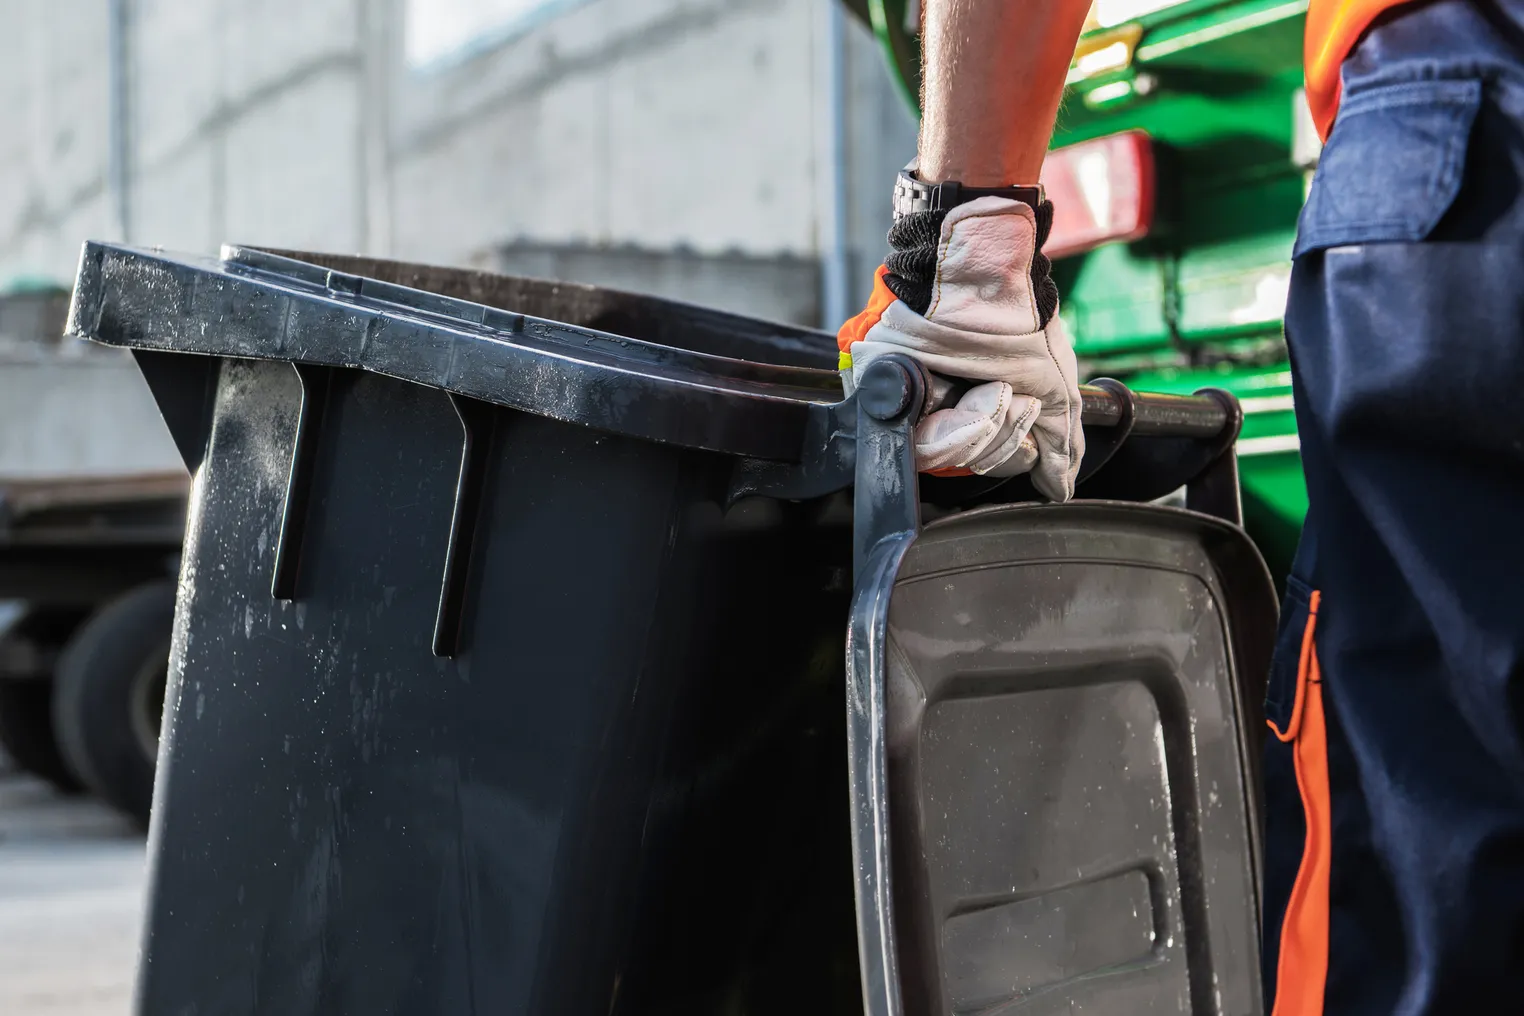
967	292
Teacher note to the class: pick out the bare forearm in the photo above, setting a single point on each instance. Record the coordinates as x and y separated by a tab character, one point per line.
994	74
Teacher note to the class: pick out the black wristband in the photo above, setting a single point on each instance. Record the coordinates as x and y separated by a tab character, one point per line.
911	195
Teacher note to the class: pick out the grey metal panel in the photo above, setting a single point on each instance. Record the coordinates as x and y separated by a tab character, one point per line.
84	412
1069	735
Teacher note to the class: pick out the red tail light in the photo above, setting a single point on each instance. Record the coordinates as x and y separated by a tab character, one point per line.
1102	191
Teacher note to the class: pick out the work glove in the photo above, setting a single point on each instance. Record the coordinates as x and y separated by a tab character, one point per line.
967	292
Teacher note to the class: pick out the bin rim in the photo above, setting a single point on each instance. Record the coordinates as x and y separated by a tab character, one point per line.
577	303
251	304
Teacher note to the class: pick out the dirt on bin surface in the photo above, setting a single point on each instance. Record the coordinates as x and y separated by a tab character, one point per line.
71	902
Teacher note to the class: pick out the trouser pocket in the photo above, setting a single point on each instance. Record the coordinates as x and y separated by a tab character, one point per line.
1299	816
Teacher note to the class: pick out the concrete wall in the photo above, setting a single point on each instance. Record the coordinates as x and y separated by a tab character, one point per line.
53	130
699	125
782	288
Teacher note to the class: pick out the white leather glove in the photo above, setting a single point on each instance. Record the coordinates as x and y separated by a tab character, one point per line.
983	324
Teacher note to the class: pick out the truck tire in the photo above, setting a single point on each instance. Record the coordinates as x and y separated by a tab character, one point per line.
108	696
26	732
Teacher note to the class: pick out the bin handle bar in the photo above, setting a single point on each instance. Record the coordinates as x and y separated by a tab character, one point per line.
1153	414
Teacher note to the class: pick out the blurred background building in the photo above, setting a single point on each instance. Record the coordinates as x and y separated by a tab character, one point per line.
731	152
737	153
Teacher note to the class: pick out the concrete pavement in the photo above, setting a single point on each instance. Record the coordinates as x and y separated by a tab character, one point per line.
71	899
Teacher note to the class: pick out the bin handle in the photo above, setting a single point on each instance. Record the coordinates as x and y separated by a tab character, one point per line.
1206	425
1109	403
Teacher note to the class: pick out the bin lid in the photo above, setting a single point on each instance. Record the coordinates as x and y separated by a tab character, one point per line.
1059	728
261	305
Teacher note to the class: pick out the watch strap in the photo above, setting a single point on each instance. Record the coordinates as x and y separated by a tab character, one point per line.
912	195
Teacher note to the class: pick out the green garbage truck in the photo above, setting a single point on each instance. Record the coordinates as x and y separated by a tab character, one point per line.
1178	169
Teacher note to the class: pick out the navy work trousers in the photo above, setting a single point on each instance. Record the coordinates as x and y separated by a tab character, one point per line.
1394	775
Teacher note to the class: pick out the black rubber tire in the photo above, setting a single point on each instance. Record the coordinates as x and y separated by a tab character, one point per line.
26	733
106	727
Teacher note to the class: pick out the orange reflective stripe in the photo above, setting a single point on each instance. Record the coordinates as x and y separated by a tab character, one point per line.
857	327
1333	29
1302	970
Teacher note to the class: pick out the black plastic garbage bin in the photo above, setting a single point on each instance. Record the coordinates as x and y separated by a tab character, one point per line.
508	664
523	688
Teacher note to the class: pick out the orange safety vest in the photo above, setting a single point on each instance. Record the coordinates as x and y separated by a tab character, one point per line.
1333	29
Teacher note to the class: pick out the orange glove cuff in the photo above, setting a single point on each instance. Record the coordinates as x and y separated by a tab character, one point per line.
857	327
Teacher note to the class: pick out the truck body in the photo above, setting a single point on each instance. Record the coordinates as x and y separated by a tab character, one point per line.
1178	169
92	513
